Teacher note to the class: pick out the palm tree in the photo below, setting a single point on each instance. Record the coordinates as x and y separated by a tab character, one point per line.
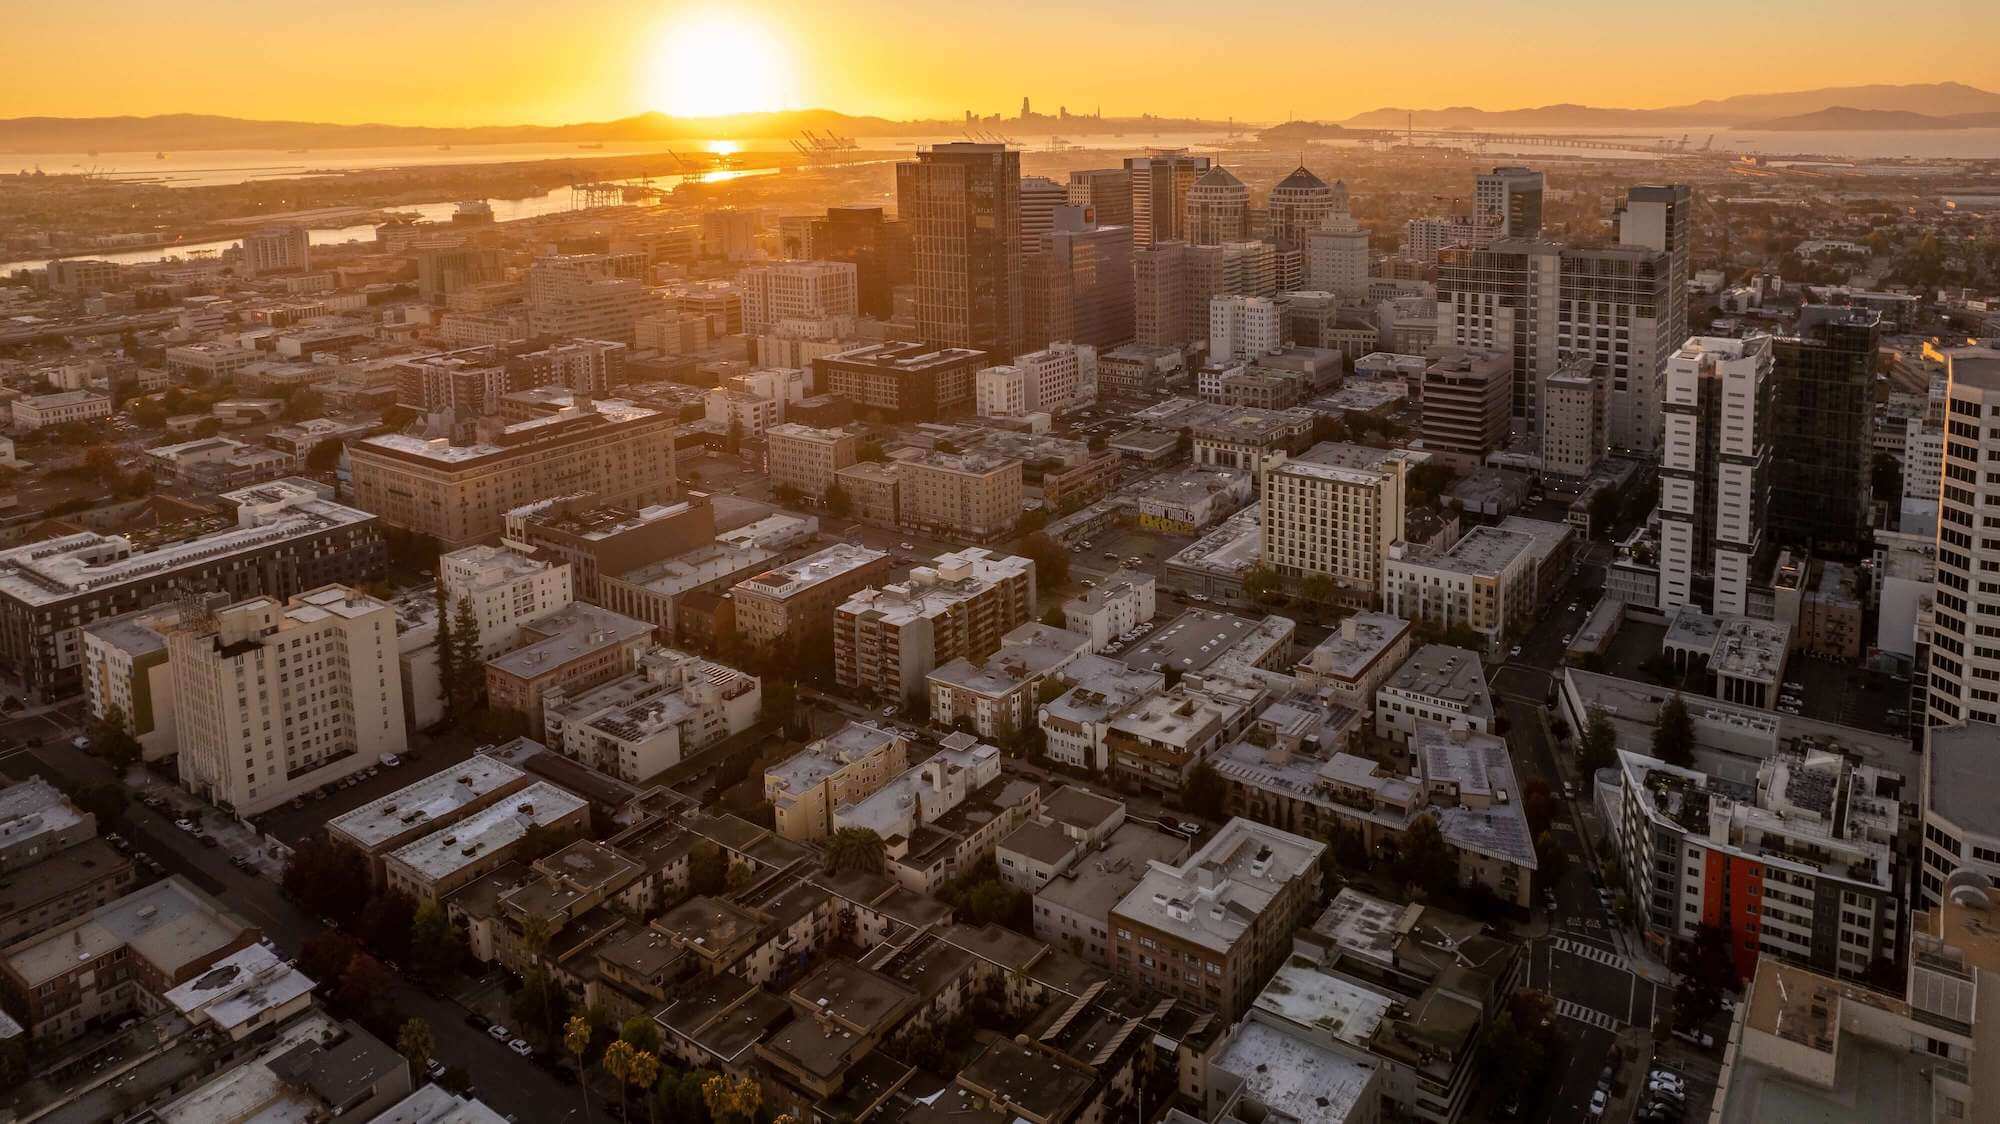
414	1042
640	1072
536	932
617	1061
854	848
576	1037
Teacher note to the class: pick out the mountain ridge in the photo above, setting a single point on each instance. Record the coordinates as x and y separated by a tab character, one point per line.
1937	99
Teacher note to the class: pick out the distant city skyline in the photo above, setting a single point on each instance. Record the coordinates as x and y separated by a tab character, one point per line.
511	62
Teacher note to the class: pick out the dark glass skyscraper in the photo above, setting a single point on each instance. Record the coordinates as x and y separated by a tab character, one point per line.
961	205
1821	494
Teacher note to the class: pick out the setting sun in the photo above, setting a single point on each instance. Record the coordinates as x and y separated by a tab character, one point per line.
718	64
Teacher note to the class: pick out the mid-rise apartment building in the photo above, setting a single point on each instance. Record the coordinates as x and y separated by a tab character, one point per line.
974	495
1575	408
797	290
1465	405
459	492
1513	196
1241	328
638	726
596	296
1485	581
275	539
886	640
902	381
806	458
1211	929
505	588
841	768
275	699
275	249
1336	510
791	605
1797	864
598	539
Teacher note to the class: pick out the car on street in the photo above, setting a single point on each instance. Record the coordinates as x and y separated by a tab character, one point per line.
1514	652
434	1069
521	1047
185	824
499	1033
1597	1102
906	546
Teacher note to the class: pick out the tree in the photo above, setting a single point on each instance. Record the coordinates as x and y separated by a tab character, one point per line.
363	987
1598	747
1428	482
1603	510
732	1098
576	1039
1053	617
854	849
414	1042
467	686
1551	859
642	1033
325	956
1673	733
111	739
640	1072
617	1061
1032	520
838	502
678	1097
1204	794
732	443
325	456
780	703
1262	584
1317	591
386	925
787	496
435	947
541	1006
1518	1047
107	801
304	403
870	450
708	871
328	879
1050	559
447	653
1708	968
1426	860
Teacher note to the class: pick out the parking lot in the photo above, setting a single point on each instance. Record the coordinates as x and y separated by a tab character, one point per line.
290	823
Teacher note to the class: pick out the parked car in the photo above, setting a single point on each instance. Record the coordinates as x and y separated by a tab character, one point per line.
391	760
521	1047
185	824
1597	1102
498	1032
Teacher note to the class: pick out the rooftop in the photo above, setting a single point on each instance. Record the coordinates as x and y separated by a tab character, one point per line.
795	577
33	808
516	438
1484	552
1190	642
569	633
168	923
1211	898
1358	642
435	797
1295	1080
433	1104
812	765
1450	675
472	839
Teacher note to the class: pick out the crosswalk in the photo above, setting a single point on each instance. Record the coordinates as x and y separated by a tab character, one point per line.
1584	1014
1593	952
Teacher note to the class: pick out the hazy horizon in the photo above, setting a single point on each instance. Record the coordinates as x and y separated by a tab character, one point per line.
509	62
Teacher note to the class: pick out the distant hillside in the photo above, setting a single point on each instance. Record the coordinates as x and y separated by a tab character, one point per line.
1938	99
1301	131
1847	118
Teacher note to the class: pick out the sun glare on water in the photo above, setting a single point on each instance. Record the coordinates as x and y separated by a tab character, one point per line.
716	64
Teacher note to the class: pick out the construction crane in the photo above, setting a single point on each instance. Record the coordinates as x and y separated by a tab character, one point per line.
1709	143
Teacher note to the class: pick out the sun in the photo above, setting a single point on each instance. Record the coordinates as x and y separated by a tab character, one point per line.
719	63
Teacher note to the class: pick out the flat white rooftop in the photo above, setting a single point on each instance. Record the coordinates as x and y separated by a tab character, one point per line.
433	798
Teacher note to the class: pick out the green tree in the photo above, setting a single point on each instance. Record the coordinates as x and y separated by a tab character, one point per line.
617	1061
111	739
329	880
642	1033
364	988
1053	617
325	456
787	496
854	848
1050	559
467	685
708	870
641	1071
447	654
1673	733
1518	1048
1205	794
541	1006
838	502
1425	860
1316	592
386	923
1598	748
436	948
415	1042
732	1098
1263	585
780	704
870	450
1032	520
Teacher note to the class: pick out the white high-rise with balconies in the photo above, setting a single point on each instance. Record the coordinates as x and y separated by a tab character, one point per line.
1965	638
1714	469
